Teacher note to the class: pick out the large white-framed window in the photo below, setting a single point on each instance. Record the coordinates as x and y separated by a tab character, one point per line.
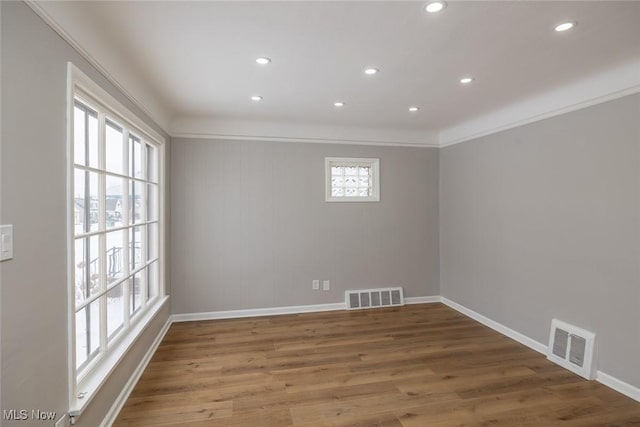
350	179
115	233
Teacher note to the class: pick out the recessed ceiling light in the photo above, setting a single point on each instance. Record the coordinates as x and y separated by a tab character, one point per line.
414	109
565	26
466	80
371	71
256	98
263	60
435	6
338	104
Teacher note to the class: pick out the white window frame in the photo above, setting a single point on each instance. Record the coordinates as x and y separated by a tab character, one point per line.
83	387
372	163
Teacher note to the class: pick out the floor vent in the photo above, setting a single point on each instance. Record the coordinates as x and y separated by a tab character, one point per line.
572	348
373	298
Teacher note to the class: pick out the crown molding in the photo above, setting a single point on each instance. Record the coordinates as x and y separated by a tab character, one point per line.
231	129
42	12
298	140
606	86
609	85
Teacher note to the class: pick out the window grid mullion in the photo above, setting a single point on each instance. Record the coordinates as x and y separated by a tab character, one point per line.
86	244
113	174
145	161
102	241
126	286
103	322
122	227
131	243
143	229
127	282
122	281
143	257
131	185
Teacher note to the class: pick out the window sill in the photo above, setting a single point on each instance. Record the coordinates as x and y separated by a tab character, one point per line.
93	381
352	199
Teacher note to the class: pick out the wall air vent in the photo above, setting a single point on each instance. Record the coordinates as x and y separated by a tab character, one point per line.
373	298
572	348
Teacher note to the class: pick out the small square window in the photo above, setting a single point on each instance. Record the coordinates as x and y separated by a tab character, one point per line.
352	179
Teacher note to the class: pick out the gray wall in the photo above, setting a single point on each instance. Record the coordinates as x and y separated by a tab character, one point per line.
250	227
33	176
543	221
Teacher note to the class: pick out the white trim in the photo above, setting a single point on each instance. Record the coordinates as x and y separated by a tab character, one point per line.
85	85
71	359
256	312
275	311
372	163
422	300
618	385
92	383
517	336
98	371
607	86
278	131
307	140
51	22
115	409
603	378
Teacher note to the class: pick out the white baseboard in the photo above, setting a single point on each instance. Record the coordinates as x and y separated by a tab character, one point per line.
115	409
256	312
274	311
522	339
606	379
618	385
422	300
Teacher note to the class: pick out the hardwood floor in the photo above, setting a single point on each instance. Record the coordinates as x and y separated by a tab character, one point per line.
419	365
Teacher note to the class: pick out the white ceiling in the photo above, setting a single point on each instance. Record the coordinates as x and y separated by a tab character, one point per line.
192	64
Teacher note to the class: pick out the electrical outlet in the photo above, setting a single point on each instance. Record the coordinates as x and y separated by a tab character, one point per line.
326	285
315	285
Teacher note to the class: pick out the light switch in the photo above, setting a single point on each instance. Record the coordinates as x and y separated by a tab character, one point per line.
326	285
6	242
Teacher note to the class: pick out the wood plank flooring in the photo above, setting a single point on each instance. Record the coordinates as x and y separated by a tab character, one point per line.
419	365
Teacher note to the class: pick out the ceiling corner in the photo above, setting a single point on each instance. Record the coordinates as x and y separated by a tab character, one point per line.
60	17
598	88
